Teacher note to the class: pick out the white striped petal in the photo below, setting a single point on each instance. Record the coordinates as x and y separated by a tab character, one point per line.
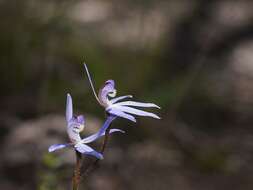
137	104
119	113
137	112
114	100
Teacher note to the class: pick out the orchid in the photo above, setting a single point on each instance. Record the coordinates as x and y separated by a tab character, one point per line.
75	125
124	109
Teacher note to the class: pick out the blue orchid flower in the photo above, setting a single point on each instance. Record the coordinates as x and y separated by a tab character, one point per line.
125	109
74	126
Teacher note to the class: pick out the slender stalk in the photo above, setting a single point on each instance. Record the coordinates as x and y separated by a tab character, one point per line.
92	166
77	171
106	139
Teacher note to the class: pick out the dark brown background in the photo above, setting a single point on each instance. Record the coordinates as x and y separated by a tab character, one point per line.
194	58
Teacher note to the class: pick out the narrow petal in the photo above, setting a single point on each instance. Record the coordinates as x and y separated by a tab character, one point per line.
119	113
106	124
137	104
55	147
98	135
84	149
91	83
69	108
137	112
114	100
101	131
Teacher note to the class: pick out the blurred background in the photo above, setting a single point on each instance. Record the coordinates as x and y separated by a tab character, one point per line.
194	58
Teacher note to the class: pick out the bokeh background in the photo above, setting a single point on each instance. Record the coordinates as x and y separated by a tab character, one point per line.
192	57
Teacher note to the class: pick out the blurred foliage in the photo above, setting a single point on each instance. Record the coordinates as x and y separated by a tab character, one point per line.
50	173
193	58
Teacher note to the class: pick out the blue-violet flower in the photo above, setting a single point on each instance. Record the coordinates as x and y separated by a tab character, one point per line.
122	109
74	126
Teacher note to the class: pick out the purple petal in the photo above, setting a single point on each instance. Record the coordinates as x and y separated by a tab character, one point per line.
73	133
84	149
110	82
106	124
137	112
114	100
80	119
55	147
69	108
98	135
119	113
91	83
137	104
102	129
107	90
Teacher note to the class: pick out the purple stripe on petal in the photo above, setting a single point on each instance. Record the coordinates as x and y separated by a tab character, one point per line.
69	108
114	100
137	112
84	149
119	113
55	147
137	104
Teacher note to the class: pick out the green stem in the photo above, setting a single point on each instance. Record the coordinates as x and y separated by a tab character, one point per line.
77	173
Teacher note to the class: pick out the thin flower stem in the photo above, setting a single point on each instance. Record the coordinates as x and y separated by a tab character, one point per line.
91	167
91	164
77	173
105	140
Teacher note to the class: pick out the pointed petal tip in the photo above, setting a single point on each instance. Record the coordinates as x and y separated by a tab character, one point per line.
117	130
134	120
55	147
69	96
96	154
156	116
51	149
101	157
156	106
